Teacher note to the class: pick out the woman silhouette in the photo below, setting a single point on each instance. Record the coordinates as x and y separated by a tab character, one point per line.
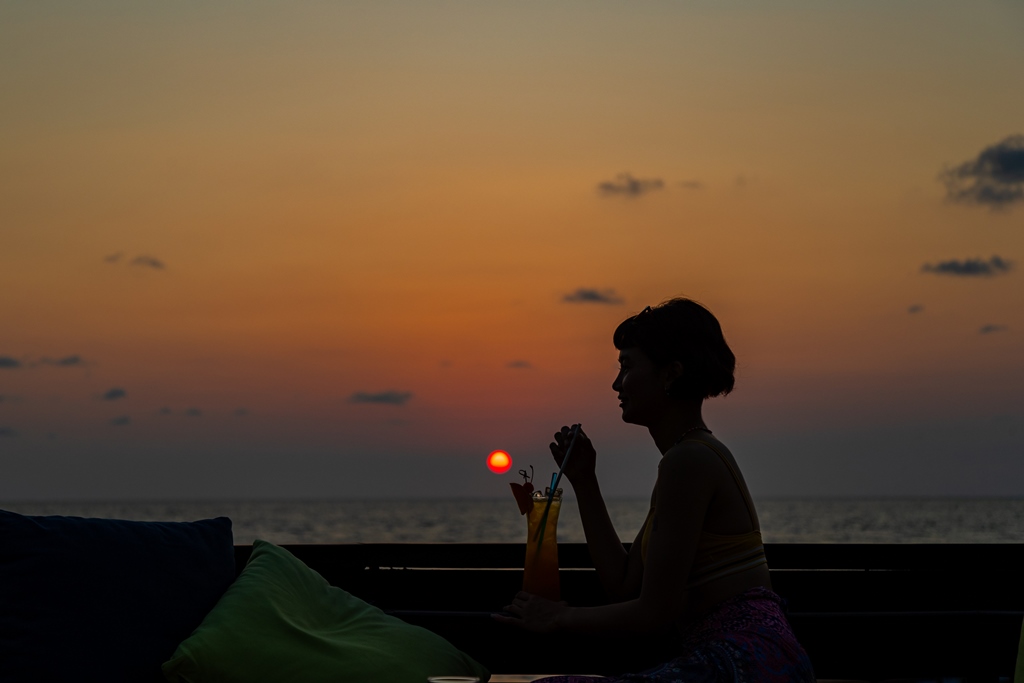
698	562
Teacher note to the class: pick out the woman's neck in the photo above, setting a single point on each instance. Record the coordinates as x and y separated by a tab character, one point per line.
675	422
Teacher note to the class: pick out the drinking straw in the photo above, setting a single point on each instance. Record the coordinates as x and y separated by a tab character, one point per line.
555	478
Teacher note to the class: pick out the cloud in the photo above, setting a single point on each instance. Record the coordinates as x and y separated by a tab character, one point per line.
974	267
114	394
121	421
66	362
240	412
148	262
995	178
584	295
915	308
6	362
691	184
392	397
625	184
7	431
164	411
114	258
194	412
989	329
519	364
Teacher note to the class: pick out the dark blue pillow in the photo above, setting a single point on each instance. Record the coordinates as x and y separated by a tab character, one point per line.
104	599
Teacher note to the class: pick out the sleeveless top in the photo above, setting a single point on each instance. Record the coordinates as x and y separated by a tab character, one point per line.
719	555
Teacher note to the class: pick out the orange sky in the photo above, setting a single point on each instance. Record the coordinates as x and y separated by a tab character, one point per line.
390	196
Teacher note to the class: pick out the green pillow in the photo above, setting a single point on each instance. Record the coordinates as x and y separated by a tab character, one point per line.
281	621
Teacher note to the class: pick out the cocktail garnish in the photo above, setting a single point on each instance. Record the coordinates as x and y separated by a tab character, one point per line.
524	496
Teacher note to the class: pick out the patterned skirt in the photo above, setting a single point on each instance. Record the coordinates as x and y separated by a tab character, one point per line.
745	639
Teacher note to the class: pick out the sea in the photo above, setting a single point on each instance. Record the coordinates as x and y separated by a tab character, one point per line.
455	520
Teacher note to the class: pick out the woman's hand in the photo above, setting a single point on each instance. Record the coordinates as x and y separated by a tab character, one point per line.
533	613
584	457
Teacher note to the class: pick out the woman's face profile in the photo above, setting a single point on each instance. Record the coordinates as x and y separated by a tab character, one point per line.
639	386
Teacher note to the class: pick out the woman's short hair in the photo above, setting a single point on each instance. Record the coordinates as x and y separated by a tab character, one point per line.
682	330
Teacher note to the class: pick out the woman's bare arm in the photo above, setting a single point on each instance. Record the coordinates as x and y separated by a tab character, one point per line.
686	483
618	571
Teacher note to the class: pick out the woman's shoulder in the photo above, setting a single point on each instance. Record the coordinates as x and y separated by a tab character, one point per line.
697	452
689	454
700	442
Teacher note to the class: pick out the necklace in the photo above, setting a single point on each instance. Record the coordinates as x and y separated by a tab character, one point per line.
692	429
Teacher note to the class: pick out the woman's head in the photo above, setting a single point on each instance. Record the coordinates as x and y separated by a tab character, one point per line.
683	331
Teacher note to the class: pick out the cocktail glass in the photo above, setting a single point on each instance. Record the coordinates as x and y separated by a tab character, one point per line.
540	573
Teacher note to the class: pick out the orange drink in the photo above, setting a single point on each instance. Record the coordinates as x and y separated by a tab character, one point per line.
540	573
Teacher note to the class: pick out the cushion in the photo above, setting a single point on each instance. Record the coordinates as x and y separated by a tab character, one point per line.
102	599
281	621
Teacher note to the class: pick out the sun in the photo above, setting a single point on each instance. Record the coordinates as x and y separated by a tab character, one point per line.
499	462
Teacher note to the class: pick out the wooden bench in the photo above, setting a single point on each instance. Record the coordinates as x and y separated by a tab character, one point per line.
862	611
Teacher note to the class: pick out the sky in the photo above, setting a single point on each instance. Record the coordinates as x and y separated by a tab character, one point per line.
342	250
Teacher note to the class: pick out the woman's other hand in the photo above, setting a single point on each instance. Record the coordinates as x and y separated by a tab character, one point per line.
584	457
533	613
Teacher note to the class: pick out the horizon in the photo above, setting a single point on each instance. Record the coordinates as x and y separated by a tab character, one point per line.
492	498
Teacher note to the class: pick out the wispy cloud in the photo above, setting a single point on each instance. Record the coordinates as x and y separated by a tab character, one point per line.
626	185
164	411
65	362
240	412
995	178
973	267
989	329
915	308
121	421
584	295
193	412
7	431
519	365
8	363
392	397
148	262
114	394
691	184
114	258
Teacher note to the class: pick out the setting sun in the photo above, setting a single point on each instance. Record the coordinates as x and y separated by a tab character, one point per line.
499	462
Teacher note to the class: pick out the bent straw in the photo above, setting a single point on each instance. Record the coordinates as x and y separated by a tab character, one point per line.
554	485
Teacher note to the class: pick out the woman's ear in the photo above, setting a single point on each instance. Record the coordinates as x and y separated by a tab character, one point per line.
673	371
